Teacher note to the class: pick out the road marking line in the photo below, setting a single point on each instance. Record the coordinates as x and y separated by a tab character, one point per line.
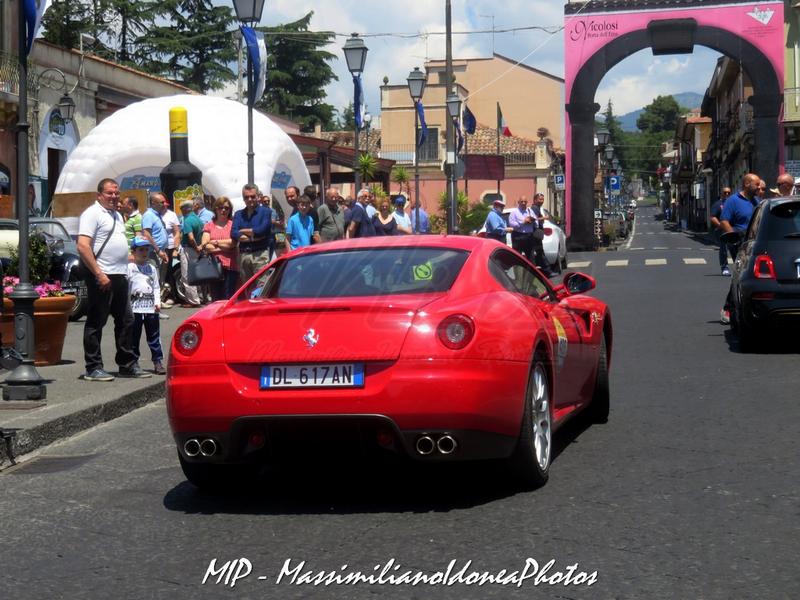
730	260
617	263
579	265
650	262
684	248
660	248
695	261
635	248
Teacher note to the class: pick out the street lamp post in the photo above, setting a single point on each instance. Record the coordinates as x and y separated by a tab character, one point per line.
367	125
248	12
24	382
416	88
453	111
355	53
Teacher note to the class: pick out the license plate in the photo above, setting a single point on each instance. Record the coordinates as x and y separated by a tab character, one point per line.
337	375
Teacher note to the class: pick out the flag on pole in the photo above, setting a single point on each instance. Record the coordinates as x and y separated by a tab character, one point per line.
423	126
459	135
470	122
358	96
257	51
34	11
502	128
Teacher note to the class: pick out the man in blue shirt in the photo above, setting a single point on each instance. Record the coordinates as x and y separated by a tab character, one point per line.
736	214
252	229
738	209
424	222
202	212
300	228
155	232
495	225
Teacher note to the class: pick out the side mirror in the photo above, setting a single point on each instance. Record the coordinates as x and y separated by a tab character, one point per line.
579	283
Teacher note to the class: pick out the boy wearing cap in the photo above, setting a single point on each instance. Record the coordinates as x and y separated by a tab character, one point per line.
400	216
145	297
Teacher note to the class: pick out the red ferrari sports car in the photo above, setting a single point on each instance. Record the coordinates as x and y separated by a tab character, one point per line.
439	348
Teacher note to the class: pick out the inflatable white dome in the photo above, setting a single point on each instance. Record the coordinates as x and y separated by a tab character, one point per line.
136	138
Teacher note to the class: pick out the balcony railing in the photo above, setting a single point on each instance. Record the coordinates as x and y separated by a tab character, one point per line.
791	104
404	154
9	74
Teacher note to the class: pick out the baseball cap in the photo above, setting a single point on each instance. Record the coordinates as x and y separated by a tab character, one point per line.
500	201
139	242
187	202
400	200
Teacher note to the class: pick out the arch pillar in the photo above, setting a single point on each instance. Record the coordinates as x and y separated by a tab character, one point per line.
581	116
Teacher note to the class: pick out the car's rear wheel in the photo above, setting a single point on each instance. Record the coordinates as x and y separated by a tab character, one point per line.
216	477
81	303
601	398
531	459
747	335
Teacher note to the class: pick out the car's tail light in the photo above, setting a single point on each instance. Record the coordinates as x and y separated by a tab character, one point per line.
187	338
456	331
764	268
548	230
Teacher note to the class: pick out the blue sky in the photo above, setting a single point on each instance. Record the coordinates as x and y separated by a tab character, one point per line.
630	85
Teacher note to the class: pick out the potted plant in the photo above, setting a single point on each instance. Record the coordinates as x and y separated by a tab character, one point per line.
51	310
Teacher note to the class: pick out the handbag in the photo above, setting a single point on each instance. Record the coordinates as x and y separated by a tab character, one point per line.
538	234
205	269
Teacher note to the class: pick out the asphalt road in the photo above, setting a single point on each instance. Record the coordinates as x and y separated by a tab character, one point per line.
690	491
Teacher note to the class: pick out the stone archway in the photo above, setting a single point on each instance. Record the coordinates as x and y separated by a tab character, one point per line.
664	36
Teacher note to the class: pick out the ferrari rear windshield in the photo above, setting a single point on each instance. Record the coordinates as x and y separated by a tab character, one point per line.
369	272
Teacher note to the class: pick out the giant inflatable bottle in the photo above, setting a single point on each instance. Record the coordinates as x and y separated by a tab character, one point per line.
180	179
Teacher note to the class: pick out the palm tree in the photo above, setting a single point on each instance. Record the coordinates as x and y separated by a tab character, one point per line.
400	177
367	165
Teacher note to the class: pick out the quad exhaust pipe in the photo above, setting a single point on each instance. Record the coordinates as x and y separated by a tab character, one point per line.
206	447
444	444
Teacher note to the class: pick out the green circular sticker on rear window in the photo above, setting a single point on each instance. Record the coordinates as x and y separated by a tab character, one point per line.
423	272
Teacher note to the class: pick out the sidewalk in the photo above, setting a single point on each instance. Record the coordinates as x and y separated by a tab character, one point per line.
74	405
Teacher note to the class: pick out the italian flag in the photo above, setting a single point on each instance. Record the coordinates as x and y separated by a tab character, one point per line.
502	128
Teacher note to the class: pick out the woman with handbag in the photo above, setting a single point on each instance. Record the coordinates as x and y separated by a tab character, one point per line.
217	243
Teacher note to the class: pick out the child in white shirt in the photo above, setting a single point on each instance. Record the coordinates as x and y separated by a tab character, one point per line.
145	298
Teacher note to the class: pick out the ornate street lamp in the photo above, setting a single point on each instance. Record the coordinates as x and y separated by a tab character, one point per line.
355	53
416	89
367	125
248	12
603	137
609	152
453	103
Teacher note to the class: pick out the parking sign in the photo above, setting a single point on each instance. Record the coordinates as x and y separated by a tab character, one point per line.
614	184
560	181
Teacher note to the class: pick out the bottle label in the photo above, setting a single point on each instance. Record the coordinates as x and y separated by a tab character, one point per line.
178	122
189	193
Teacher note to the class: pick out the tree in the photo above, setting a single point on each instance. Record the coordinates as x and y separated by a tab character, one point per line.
617	138
347	118
64	21
660	115
134	20
400	177
298	71
367	165
195	48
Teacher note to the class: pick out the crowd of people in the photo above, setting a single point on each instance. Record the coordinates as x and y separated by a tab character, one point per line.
732	214
127	254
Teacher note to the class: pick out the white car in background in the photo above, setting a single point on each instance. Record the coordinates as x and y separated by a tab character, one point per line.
554	242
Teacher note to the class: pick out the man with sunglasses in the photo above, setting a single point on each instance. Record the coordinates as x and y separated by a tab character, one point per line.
252	229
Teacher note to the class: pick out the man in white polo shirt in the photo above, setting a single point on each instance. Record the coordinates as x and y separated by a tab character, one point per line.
104	249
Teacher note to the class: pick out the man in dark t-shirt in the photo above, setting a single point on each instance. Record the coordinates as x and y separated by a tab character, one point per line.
716	212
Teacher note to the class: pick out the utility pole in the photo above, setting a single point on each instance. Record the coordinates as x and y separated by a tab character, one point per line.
452	197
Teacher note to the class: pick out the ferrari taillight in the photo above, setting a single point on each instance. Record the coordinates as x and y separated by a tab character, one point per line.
187	338
764	267
456	331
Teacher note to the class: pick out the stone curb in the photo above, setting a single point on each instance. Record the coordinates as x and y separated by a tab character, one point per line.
24	441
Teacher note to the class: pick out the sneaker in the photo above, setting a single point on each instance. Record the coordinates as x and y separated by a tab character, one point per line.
158	368
725	317
163	316
135	372
168	303
726	272
98	375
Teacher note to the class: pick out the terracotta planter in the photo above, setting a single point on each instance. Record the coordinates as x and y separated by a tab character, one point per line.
50	318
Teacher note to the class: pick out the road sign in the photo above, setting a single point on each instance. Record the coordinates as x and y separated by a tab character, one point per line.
560	181
598	214
614	184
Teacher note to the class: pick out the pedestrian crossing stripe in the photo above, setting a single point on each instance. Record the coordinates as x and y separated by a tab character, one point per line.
694	261
617	263
648	262
579	265
651	262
